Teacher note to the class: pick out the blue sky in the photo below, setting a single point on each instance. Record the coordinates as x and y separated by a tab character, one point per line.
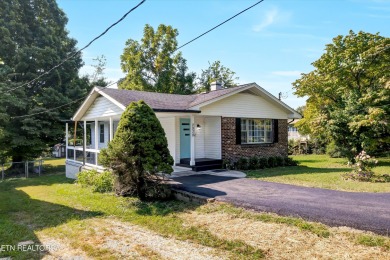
271	44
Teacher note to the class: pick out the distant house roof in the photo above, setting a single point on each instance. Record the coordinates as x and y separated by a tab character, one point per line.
162	102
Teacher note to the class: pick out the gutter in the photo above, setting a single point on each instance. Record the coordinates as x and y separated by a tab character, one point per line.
176	110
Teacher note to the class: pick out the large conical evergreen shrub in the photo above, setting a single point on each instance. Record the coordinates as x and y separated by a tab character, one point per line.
138	152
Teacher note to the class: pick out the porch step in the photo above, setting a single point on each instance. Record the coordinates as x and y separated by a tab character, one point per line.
201	161
201	164
206	167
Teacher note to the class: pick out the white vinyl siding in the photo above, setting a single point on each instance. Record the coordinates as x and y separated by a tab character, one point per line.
199	137
212	137
102	107
168	123
244	105
177	139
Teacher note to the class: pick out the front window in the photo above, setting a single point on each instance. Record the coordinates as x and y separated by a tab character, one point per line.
254	131
102	133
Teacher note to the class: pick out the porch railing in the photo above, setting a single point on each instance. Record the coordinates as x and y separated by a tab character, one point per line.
75	153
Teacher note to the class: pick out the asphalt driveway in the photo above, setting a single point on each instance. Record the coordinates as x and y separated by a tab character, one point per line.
366	211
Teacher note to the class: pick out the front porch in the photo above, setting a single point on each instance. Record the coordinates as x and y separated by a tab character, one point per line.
194	141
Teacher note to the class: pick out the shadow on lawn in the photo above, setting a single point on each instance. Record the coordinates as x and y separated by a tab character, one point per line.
294	170
163	208
21	216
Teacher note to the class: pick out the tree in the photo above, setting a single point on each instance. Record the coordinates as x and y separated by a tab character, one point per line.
349	94
33	39
217	72
301	109
150	65
138	152
97	78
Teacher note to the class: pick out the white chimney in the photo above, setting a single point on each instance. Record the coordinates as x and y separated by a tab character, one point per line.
215	85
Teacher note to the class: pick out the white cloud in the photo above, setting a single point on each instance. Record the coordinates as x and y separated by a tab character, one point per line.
287	73
271	17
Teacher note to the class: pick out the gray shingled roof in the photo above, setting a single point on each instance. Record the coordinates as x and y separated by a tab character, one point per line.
161	101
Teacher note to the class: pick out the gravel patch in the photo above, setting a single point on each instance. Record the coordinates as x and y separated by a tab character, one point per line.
122	240
280	241
125	236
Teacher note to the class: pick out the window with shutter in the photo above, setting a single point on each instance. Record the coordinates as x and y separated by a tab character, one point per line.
256	131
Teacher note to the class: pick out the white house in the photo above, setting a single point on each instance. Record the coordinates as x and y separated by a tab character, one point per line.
201	129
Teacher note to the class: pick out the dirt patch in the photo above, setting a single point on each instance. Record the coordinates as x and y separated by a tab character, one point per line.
118	239
280	241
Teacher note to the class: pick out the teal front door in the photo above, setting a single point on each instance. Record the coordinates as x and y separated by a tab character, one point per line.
185	138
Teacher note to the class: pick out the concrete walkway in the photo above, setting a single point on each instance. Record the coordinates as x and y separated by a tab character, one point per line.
366	211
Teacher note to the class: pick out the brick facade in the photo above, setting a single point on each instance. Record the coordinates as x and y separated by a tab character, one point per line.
233	151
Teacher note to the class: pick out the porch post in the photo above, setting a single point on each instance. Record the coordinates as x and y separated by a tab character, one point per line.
192	127
66	139
84	141
111	129
96	138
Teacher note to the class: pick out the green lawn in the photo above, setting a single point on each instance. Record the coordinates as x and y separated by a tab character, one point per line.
323	172
28	206
52	207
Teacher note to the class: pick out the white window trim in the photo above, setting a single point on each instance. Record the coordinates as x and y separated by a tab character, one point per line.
247	131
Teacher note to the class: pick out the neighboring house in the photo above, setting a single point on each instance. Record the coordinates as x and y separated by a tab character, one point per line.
58	151
201	129
293	132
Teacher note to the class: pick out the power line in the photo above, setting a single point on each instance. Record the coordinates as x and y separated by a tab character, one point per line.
194	39
51	109
77	52
215	27
64	105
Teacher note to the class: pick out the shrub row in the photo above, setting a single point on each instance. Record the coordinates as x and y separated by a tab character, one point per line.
99	182
255	163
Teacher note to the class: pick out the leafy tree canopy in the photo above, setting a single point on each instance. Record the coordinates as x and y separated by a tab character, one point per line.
217	72
33	39
151	64
349	94
138	151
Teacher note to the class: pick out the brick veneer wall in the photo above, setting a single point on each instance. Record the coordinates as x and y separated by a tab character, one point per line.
233	151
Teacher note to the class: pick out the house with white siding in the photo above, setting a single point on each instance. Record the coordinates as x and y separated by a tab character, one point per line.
201	129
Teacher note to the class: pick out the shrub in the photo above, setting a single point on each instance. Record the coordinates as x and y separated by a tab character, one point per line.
242	163
288	161
138	152
99	182
272	162
227	164
253	163
293	146
263	163
279	161
335	151
362	168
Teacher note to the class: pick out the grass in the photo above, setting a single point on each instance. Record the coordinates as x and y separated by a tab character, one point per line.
53	207
31	205
323	172
315	228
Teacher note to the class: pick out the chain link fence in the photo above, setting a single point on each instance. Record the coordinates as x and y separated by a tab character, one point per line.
26	169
